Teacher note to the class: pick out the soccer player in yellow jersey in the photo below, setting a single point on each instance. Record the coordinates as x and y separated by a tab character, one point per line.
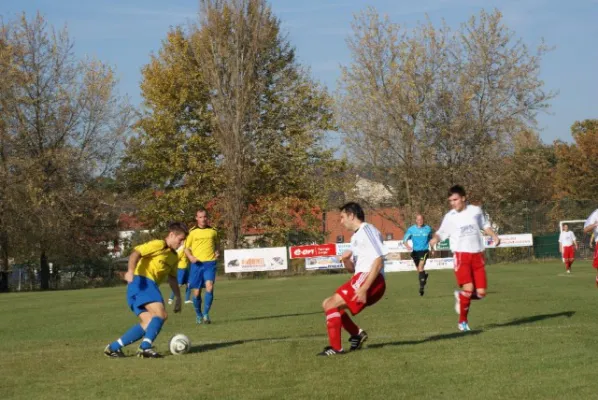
182	274
201	248
149	265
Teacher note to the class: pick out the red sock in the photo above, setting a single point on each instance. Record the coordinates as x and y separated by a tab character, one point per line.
464	301
568	265
348	323
333	323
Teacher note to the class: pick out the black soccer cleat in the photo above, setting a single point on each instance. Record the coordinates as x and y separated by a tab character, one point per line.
358	340
421	290
329	351
148	353
113	354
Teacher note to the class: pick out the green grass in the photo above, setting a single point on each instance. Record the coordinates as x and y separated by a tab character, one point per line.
534	338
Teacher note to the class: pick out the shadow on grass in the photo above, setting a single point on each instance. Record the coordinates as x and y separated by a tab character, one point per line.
435	338
273	316
221	345
532	319
455	335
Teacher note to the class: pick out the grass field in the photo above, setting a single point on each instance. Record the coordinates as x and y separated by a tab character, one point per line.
534	337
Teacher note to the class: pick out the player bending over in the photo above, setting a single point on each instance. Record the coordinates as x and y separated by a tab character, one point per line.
567	247
463	225
149	265
365	288
420	236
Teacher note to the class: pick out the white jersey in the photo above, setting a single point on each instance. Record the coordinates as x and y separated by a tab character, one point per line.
366	245
464	229
592	219
567	238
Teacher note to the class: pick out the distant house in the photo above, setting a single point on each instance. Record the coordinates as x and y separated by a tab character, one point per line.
387	220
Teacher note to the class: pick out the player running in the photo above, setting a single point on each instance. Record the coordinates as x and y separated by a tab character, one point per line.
149	265
591	225
366	259
420	236
463	225
567	247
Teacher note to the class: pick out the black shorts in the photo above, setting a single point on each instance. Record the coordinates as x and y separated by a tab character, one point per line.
418	256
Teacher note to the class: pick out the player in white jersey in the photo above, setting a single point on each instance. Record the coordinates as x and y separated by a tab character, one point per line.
591	225
463	225
365	288
567	247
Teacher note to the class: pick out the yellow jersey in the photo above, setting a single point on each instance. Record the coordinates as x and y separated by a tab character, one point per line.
203	243
183	260
157	261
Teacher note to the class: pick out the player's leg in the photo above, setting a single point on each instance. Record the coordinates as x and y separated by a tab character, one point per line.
480	280
180	277
595	262
153	320
195	283
333	306
422	274
463	274
209	277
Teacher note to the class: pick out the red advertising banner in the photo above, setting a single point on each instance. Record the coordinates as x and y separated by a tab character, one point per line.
316	250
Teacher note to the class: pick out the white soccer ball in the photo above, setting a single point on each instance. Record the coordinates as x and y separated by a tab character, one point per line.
179	344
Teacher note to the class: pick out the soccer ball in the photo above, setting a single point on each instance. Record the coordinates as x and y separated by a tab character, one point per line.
179	344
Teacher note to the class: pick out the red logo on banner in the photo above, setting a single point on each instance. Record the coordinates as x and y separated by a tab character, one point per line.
316	250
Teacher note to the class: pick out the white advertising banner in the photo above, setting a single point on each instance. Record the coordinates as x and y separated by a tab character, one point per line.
408	265
251	260
520	240
329	262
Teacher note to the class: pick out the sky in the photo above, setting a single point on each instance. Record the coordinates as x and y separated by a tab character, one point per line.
124	33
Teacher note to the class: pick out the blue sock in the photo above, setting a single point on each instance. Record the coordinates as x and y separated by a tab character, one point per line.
152	331
187	293
209	297
197	305
171	296
130	336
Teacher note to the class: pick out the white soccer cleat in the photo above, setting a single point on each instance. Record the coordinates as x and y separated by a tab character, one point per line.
568	271
463	327
188	302
169	301
457	302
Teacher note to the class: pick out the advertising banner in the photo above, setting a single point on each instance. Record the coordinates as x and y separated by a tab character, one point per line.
316	250
250	260
332	262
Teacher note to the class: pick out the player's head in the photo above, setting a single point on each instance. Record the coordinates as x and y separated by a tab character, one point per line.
457	197
177	232
352	216
565	227
419	220
201	216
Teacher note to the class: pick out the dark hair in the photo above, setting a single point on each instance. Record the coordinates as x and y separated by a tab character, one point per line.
355	209
201	209
457	189
178	227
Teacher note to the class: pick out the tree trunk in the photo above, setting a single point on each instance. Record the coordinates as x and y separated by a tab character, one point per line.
44	271
3	262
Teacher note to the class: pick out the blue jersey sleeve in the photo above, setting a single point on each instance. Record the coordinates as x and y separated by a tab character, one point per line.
407	235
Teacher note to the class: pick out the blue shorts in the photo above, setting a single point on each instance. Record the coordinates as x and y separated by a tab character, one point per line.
201	272
182	276
142	291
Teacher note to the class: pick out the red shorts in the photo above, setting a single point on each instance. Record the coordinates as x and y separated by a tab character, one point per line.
568	252
374	293
595	263
469	268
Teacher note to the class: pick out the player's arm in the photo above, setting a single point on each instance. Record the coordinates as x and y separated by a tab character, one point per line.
406	237
490	232
190	255
361	293
574	241
217	246
560	246
591	223
441	234
174	285
347	259
133	261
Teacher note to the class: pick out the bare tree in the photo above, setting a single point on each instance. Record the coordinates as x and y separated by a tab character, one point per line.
427	107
